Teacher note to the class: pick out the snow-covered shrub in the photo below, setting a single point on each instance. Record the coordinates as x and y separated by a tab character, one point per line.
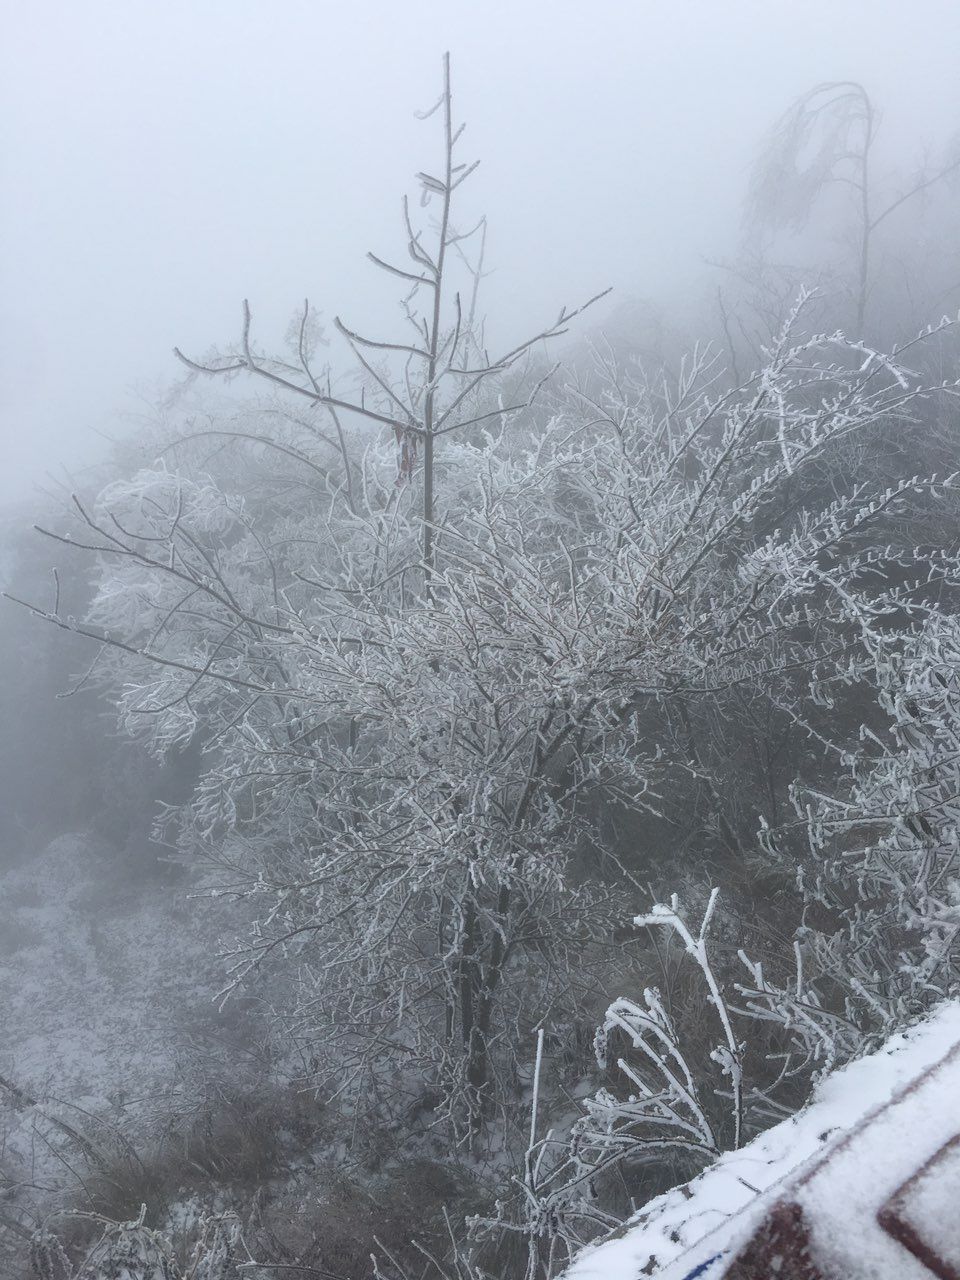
880	879
133	1251
666	1107
875	948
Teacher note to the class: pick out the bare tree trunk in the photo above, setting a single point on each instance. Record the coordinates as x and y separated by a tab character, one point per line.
866	226
429	548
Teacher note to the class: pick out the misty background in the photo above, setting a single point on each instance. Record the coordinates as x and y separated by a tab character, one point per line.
161	162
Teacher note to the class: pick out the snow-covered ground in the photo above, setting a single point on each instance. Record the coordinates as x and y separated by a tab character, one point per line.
107	979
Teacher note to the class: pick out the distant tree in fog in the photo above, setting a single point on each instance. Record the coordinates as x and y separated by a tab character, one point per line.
826	139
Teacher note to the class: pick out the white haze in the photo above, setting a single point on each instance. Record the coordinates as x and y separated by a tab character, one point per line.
162	161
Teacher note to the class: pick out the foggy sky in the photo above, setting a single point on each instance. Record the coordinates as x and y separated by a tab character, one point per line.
160	161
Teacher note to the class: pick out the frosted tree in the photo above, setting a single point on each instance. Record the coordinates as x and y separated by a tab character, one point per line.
240	577
433	380
409	771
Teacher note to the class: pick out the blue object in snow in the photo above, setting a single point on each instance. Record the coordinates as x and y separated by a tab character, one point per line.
702	1268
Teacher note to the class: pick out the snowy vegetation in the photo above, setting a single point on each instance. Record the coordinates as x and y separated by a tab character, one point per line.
481	659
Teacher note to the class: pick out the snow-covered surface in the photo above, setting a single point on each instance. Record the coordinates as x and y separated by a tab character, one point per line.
706	1222
924	1210
841	1196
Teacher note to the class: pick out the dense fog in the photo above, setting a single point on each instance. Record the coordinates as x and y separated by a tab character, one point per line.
479	718
161	164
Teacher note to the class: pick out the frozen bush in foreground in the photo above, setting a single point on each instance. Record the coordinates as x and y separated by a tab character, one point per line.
133	1251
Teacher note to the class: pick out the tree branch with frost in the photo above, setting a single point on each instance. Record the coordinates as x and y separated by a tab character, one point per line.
730	1055
665	1108
416	407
